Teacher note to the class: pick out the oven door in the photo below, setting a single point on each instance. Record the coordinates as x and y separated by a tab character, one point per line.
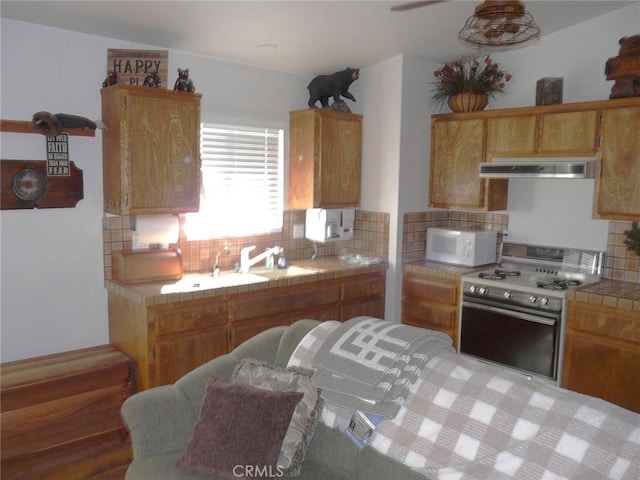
522	339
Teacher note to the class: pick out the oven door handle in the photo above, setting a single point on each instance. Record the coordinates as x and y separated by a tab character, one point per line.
511	313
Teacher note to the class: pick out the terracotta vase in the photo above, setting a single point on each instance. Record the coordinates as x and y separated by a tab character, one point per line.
467	102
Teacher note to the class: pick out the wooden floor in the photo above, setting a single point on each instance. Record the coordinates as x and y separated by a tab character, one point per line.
60	416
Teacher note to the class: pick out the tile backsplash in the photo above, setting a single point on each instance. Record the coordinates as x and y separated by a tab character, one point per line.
371	238
621	264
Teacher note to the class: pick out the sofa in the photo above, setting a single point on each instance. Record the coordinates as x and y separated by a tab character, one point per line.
458	418
161	421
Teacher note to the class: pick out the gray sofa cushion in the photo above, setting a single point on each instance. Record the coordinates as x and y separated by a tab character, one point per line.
305	416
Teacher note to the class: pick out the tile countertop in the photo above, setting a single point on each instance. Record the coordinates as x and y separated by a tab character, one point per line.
442	269
613	293
323	268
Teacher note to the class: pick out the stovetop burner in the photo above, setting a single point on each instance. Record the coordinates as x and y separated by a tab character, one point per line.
558	284
499	274
530	269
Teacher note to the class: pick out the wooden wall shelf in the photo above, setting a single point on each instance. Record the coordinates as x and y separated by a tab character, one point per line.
24	126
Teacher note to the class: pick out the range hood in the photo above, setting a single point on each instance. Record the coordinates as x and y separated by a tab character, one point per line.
539	167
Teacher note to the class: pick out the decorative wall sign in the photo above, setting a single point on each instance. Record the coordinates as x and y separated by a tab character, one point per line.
58	164
25	184
133	66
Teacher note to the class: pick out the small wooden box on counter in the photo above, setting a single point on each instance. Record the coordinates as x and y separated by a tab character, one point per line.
60	415
131	266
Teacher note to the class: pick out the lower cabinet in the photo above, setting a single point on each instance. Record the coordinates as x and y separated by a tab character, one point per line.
251	313
602	353
430	301
169	340
363	295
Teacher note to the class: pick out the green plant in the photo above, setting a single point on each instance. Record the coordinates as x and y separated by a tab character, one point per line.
473	75
633	238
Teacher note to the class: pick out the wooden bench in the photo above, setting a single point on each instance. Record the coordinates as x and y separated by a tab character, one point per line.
60	415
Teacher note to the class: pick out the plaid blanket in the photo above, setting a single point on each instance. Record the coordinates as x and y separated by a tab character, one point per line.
370	364
466	420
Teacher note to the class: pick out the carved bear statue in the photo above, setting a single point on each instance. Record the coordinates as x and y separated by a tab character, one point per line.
324	86
625	68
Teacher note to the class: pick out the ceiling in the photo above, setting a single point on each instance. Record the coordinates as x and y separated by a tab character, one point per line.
311	36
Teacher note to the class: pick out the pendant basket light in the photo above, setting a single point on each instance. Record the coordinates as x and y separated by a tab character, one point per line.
499	25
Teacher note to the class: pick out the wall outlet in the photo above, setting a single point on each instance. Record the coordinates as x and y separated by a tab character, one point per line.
298	230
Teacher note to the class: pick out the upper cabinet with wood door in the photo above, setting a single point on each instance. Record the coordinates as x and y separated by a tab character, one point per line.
457	149
606	129
150	150
617	194
538	131
324	159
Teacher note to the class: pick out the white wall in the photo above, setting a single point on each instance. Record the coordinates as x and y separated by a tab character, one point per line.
52	295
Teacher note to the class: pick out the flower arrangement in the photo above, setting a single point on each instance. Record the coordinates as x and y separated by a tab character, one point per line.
475	75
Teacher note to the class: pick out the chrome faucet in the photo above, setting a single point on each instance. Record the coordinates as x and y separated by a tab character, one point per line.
246	263
215	271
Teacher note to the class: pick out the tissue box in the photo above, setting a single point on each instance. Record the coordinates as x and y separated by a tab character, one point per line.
135	266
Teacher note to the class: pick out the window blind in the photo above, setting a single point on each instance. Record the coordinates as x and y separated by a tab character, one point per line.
242	184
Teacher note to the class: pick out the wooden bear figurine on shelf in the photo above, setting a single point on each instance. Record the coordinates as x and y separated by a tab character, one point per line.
183	82
112	79
625	68
152	80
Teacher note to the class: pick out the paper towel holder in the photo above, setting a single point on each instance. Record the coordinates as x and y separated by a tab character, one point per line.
160	230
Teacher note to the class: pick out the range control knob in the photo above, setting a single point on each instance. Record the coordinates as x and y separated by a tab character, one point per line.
483	291
544	301
507	294
533	299
473	289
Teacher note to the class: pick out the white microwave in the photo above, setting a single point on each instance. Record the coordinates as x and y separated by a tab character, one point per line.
461	247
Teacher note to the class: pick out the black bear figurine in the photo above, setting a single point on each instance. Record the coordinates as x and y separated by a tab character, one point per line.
183	82
324	86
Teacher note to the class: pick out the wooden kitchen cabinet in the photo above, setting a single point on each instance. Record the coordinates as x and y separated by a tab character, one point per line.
602	353
617	192
568	133
150	150
253	312
169	340
511	135
544	133
340	299
363	295
324	159
430	301
457	149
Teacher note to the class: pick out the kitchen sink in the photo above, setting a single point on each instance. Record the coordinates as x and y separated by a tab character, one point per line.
193	282
290	271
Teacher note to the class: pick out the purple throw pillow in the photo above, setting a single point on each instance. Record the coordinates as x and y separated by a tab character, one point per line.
240	431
